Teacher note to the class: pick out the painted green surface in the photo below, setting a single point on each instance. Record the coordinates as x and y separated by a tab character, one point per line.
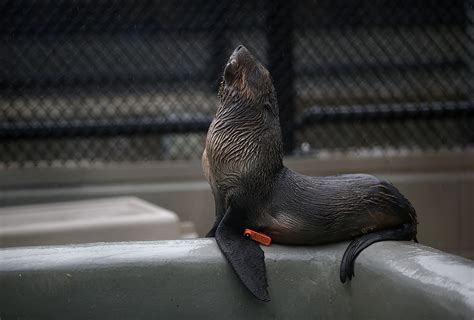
189	279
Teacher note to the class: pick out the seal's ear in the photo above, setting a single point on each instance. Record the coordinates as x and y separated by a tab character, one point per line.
271	109
245	256
268	106
230	71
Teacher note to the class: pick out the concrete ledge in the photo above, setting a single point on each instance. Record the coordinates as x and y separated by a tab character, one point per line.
191	279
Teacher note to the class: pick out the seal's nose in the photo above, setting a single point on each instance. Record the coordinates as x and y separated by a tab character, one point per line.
239	53
240	49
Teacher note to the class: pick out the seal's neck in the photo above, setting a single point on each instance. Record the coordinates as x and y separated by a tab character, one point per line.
246	140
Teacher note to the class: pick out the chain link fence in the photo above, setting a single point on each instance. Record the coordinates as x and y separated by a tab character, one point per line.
91	82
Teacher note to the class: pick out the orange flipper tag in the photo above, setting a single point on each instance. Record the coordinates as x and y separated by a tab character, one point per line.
257	236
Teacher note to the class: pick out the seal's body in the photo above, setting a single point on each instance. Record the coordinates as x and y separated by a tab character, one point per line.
253	189
315	210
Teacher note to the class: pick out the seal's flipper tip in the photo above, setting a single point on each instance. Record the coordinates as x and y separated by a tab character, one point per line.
405	232
265	298
246	258
346	273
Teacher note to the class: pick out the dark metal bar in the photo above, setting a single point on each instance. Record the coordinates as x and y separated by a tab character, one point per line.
370	67
470	58
324	114
149	16
199	123
111	83
220	52
103	127
219	48
280	58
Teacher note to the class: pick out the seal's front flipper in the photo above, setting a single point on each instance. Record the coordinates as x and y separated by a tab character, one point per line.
405	232
245	256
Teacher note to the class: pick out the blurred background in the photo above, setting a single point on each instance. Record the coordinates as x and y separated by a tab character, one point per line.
105	105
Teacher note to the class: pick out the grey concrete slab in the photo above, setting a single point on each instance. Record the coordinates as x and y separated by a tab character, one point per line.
109	219
190	279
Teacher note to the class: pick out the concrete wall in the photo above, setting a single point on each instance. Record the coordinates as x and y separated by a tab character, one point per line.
192	280
440	185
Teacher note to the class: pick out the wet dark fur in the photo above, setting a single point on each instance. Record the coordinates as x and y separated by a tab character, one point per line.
253	189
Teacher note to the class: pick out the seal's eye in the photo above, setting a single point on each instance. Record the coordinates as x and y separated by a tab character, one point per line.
267	105
230	71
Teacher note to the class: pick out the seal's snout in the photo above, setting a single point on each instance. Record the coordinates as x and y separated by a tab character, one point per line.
239	49
240	53
241	58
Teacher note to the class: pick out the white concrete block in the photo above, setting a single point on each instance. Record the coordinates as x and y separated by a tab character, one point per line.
101	220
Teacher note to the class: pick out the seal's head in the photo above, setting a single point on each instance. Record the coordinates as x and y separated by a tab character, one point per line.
247	81
244	143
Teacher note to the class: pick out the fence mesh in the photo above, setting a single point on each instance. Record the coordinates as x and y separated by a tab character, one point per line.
86	82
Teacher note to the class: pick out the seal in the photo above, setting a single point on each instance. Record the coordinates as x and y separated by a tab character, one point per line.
243	162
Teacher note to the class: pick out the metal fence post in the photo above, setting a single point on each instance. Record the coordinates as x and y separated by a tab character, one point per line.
280	58
219	48
469	7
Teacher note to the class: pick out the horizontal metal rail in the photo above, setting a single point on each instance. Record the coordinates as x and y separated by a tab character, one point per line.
17	84
387	112
103	127
199	122
150	18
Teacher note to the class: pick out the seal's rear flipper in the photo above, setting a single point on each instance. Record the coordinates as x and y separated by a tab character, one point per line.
405	232
245	256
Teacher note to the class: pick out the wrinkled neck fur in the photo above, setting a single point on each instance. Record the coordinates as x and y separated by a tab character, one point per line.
247	137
